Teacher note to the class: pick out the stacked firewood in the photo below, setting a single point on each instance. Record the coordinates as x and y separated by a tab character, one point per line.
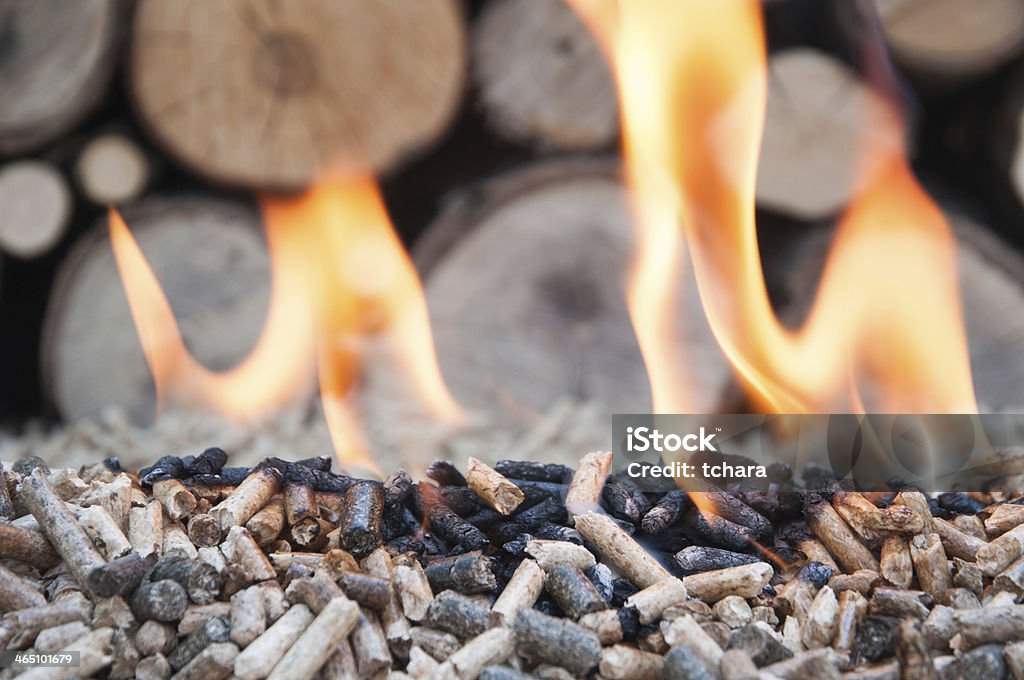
190	569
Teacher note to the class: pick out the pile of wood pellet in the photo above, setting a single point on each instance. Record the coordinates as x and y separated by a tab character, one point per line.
190	569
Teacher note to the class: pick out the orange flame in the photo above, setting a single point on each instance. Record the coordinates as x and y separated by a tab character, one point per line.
886	325
339	273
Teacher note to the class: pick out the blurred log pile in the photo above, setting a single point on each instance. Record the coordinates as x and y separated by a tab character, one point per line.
492	125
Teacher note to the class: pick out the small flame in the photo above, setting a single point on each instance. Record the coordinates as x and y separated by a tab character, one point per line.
339	274
885	330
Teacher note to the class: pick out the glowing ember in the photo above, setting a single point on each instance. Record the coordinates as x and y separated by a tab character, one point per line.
339	274
885	332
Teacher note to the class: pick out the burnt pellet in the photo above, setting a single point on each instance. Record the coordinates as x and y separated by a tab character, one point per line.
164	600
573	591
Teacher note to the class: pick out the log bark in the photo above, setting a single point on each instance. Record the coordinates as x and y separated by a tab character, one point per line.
817	123
35	207
541	76
57	60
991	295
269	95
213	267
944	42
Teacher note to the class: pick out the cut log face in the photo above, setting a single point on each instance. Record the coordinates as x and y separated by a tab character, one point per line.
952	40
816	124
56	59
542	77
525	281
991	295
112	169
212	263
273	94
35	205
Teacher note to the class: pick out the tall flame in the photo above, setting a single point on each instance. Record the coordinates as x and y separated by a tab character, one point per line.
885	330
339	274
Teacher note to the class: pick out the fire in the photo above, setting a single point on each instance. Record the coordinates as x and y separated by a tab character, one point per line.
339	275
885	331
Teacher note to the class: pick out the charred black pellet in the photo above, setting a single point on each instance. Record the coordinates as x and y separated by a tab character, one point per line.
461	499
201	581
556	532
573	591
621	591
729	506
517	547
397	487
781	557
26	464
320	480
214	630
113	463
548	510
503	532
624	500
458	615
718	531
468	574
159	601
534	471
547	606
445	473
556	641
695	559
629	620
485	518
984	662
446	524
960	503
209	462
683	663
603	579
538	490
777	506
816	573
397	521
502	673
121	575
874	637
166	467
666	512
759	644
359	528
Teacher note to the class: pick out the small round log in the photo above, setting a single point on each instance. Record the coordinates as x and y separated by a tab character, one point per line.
542	77
948	41
57	60
212	263
35	206
112	169
271	94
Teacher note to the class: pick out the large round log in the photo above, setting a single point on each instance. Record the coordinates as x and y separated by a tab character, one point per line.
944	42
817	124
212	263
541	76
525	281
991	295
56	59
273	94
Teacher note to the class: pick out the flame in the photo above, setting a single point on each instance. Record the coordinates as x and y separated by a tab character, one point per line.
885	331
339	275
